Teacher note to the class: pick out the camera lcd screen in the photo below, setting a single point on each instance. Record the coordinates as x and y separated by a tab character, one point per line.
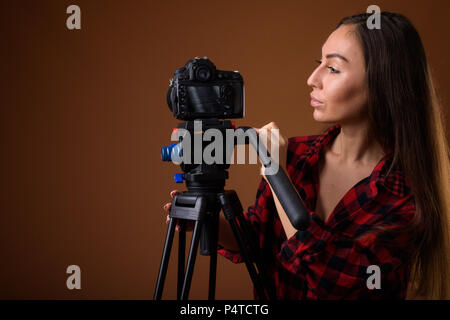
205	99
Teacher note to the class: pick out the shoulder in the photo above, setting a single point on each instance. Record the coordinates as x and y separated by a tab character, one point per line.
298	146
312	144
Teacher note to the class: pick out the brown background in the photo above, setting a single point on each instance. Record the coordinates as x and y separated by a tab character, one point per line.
84	117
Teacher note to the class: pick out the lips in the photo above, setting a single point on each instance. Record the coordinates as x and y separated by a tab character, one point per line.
315	102
315	99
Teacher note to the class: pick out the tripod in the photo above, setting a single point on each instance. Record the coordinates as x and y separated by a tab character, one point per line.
204	208
204	201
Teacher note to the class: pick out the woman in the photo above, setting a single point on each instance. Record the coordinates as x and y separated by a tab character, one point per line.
376	182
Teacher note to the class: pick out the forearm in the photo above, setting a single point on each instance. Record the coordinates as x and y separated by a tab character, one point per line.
289	229
226	236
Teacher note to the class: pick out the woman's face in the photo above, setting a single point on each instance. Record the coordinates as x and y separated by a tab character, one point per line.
339	82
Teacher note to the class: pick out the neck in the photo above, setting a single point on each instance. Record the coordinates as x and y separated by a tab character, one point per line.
355	144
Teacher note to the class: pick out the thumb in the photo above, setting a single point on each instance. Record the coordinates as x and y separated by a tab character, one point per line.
262	171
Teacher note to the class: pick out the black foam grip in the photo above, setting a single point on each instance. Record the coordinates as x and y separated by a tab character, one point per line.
282	186
290	200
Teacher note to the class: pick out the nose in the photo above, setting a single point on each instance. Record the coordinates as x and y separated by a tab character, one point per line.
314	79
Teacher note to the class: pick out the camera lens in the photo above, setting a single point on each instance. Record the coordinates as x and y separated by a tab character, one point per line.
203	73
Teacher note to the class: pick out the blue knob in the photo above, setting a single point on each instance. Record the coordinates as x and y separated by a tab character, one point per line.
166	152
178	177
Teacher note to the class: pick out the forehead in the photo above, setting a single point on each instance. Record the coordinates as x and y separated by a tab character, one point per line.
344	41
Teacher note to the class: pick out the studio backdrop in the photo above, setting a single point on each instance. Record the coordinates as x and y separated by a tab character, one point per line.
84	116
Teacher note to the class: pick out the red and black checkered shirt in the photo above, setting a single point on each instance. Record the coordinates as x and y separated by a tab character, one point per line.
331	260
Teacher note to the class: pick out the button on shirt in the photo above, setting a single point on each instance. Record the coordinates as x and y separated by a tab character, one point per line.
342	258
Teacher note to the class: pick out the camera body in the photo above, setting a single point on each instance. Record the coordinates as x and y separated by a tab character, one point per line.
200	91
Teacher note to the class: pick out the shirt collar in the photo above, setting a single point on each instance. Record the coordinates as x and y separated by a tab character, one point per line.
395	182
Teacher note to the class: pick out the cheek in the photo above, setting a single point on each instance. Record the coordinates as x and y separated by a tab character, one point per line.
345	94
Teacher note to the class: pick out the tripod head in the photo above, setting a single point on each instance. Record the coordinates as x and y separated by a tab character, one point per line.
204	163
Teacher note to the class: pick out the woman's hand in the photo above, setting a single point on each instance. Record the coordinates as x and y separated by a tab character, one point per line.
276	144
189	224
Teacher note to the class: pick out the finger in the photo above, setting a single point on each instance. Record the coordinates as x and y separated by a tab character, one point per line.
173	193
270	125
167	206
266	125
167	219
278	139
262	132
264	137
271	135
262	171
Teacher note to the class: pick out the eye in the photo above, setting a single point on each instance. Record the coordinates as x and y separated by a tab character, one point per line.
333	70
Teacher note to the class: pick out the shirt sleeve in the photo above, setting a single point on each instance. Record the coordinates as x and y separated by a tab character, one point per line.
334	266
257	218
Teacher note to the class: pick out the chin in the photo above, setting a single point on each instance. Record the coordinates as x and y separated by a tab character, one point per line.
322	117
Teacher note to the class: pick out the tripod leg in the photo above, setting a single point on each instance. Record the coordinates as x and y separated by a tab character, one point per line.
164	260
212	276
245	255
181	256
230	213
213	256
191	260
251	240
248	233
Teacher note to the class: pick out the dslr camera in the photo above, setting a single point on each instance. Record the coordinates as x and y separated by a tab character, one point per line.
200	91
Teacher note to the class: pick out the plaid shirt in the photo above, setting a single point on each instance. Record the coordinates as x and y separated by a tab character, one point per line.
330	260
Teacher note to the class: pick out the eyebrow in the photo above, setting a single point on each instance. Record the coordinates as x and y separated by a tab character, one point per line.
336	55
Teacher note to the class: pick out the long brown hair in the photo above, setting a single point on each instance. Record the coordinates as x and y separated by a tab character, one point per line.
406	117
